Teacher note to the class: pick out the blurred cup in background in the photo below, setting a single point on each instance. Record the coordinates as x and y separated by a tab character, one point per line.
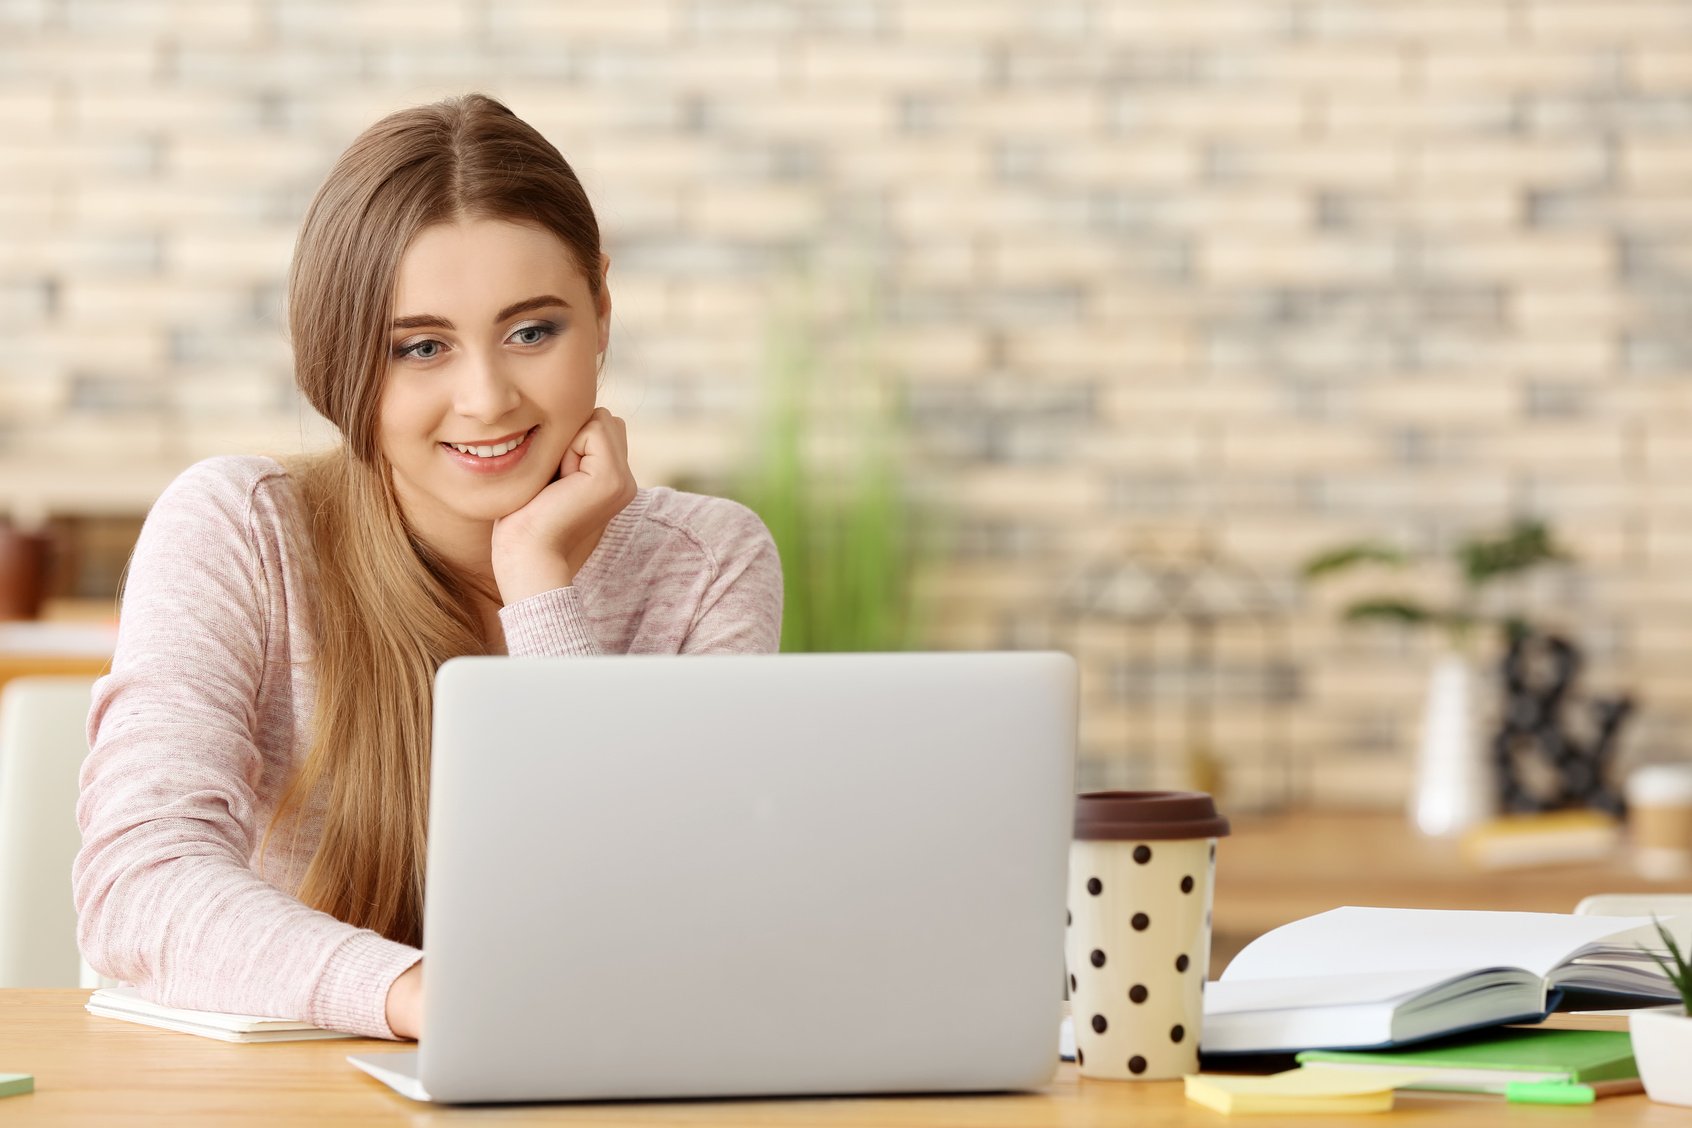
1659	817
24	559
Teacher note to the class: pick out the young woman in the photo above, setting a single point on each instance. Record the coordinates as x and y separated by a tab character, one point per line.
253	805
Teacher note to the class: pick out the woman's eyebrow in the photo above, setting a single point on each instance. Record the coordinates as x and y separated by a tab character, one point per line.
431	321
531	303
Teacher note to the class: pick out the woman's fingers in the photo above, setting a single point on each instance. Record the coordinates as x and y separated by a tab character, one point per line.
603	435
540	546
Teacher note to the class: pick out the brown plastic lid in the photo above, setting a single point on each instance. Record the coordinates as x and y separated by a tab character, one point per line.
1135	815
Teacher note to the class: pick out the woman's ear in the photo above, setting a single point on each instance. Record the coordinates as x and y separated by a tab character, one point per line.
602	309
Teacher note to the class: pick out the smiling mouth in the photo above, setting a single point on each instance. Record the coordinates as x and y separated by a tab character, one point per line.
492	450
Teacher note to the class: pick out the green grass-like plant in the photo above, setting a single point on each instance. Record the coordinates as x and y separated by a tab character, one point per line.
1679	972
826	474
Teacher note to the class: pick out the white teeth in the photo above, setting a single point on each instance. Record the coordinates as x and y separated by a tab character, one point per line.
491	451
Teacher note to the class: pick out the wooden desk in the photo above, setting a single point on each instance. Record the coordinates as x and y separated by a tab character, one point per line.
93	1071
101	1073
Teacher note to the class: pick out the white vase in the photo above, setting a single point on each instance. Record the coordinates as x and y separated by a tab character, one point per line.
1454	780
1662	1045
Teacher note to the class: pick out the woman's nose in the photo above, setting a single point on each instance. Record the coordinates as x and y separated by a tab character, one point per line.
484	390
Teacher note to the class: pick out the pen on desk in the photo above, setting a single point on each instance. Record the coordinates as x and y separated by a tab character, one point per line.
1566	1093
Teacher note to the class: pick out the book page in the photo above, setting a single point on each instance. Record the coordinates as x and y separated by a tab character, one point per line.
1356	940
131	1001
1233	996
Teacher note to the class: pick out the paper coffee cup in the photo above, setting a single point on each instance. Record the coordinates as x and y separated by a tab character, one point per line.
1141	873
1659	818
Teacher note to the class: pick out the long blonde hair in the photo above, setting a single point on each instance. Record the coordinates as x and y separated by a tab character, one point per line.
387	611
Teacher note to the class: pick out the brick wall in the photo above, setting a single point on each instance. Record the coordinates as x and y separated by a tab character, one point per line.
1249	274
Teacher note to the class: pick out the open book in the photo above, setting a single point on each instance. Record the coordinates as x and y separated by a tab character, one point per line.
128	1004
1360	978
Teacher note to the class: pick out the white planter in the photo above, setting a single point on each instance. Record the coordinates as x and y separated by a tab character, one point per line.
1662	1045
1454	778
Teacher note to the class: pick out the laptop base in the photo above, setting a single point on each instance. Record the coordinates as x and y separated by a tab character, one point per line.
397	1071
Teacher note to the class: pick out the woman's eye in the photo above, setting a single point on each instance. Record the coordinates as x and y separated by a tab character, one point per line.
533	334
421	350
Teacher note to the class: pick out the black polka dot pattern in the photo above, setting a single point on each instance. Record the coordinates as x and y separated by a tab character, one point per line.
1080	1058
1140	1031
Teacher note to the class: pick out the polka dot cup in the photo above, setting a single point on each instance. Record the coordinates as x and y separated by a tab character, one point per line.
1138	942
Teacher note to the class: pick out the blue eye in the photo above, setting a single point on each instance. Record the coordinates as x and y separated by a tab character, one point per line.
541	331
427	349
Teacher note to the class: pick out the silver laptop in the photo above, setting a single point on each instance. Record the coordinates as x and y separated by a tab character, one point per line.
661	877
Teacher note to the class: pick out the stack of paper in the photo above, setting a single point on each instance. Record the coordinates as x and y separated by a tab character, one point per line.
1299	1091
128	1004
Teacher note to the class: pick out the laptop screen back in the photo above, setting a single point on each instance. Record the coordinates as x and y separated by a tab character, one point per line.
735	875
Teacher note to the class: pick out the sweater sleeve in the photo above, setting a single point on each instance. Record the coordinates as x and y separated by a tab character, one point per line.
550	624
165	896
740	611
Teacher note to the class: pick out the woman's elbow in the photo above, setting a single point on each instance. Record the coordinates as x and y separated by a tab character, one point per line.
103	936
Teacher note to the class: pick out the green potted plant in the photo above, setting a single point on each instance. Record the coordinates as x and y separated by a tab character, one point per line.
826	472
1453	787
1662	1038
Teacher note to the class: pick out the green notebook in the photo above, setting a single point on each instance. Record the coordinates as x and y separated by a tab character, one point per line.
1492	1060
16	1084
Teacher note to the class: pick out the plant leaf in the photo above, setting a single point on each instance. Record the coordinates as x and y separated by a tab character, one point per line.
1525	544
1680	974
1349	556
1674	948
1388	610
1669	973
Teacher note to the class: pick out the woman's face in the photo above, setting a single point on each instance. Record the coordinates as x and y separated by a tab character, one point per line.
492	368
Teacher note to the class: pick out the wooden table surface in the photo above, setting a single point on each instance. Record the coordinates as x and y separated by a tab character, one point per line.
102	1072
95	1071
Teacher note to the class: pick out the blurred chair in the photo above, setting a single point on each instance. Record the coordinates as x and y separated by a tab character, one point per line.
43	739
1636	904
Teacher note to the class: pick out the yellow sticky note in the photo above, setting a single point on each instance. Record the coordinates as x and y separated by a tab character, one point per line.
16	1084
1299	1090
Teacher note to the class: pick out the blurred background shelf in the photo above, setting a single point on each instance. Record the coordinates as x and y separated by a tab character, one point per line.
73	637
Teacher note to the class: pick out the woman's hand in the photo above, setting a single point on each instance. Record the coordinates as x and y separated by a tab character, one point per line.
542	545
405	1003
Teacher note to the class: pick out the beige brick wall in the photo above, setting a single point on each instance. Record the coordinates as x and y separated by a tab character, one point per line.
1262	274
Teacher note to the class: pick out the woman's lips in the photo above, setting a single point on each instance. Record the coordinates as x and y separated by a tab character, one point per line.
495	465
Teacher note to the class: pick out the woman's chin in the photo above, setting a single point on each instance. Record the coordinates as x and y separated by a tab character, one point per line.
494	502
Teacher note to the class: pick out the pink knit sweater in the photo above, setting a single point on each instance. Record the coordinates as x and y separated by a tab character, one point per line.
208	707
